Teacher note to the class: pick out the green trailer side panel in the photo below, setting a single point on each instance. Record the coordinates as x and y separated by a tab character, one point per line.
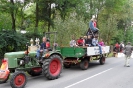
79	52
72	51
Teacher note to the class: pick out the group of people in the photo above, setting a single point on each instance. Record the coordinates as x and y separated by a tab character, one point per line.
91	38
127	50
119	47
87	41
43	47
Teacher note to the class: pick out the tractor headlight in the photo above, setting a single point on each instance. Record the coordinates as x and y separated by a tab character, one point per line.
21	62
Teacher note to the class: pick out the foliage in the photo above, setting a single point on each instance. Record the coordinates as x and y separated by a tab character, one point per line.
11	41
70	27
108	29
67	17
14	41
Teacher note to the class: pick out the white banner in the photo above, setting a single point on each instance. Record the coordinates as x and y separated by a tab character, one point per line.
96	51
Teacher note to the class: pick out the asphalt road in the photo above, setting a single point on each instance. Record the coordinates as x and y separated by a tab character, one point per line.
112	74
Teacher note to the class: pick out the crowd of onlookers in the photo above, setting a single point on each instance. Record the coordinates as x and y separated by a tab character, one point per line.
119	47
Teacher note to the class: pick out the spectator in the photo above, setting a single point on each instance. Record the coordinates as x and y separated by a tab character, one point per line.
128	51
117	47
122	46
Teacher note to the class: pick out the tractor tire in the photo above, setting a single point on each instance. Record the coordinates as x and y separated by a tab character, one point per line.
35	71
52	67
102	60
3	81
18	80
67	65
84	64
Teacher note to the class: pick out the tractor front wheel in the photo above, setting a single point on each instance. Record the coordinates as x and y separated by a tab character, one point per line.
35	71
52	67
84	64
18	80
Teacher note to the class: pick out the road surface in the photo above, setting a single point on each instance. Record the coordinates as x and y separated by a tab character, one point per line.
112	74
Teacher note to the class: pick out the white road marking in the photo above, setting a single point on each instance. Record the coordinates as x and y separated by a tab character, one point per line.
87	78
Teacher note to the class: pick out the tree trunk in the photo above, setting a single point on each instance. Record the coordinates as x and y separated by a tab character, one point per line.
13	17
49	13
37	17
91	7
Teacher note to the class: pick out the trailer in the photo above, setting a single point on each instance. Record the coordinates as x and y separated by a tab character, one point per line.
83	55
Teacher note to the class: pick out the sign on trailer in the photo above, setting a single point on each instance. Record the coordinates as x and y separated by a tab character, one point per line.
96	51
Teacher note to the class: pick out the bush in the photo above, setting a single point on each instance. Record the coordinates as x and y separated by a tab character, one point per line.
11	41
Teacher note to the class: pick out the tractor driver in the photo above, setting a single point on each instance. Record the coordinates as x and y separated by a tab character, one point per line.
42	47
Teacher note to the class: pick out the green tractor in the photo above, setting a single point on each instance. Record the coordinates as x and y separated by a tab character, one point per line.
17	64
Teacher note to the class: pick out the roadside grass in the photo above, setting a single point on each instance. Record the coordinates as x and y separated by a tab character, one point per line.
110	54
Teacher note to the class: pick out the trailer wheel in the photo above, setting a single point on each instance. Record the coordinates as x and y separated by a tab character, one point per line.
102	60
84	64
52	67
18	80
35	71
3	81
67	65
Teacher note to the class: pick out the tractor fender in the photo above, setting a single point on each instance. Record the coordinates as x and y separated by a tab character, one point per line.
47	55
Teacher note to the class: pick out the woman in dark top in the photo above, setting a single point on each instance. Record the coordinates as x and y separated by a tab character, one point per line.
89	41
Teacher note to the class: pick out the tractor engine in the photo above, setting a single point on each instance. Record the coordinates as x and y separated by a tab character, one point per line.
25	60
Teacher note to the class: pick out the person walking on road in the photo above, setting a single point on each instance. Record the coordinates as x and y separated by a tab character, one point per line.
128	51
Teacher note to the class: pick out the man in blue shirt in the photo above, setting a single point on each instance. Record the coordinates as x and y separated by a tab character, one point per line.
95	43
91	25
42	47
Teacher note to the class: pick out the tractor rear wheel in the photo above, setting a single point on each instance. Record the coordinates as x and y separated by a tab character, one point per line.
18	80
3	81
84	64
102	60
35	71
52	67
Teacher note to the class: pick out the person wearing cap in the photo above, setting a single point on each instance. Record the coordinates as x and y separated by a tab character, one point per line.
91	25
128	51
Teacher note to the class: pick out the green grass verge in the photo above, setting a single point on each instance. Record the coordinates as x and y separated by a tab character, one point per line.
110	54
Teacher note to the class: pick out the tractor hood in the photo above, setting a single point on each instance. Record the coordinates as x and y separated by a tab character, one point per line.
19	54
